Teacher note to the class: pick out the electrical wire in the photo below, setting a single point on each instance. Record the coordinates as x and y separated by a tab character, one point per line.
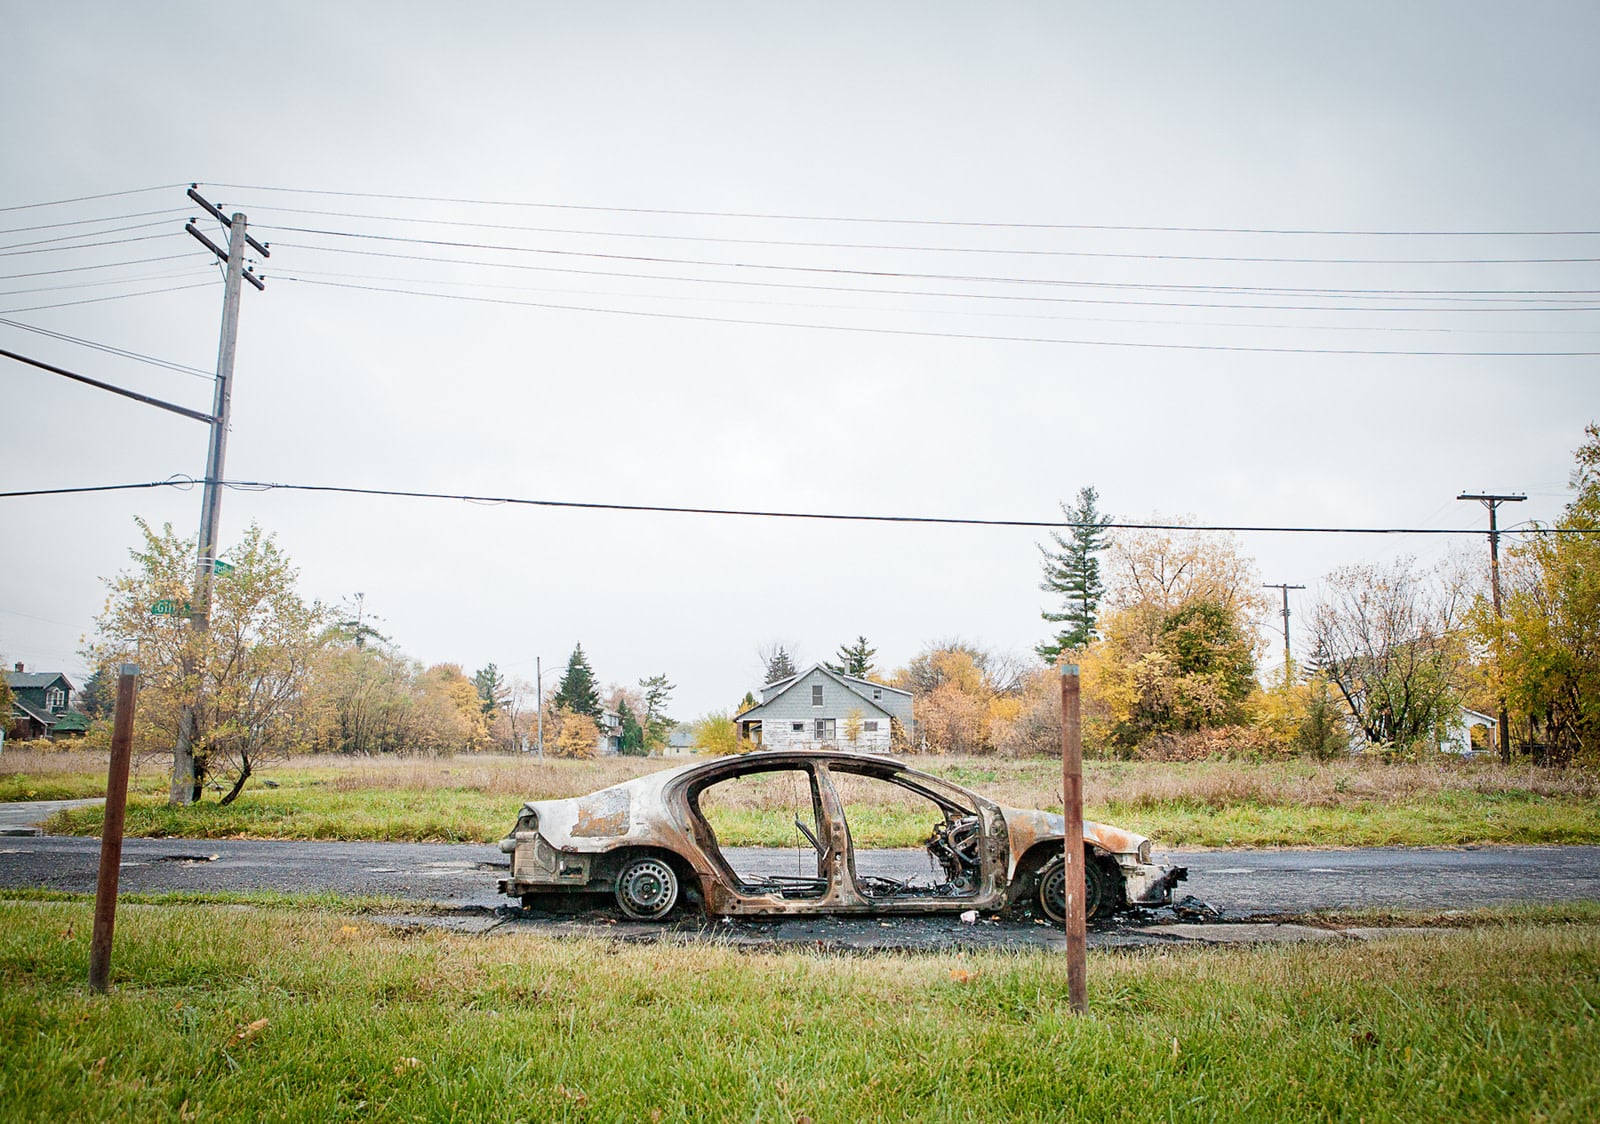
878	246
787	268
168	211
113	297
82	268
978	336
111	281
93	245
90	198
1032	298
109	349
915	222
89	234
663	509
308	274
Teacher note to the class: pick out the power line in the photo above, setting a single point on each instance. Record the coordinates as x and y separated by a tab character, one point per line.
90	198
661	509
83	268
109	281
785	268
311	274
915	222
109	349
978	336
168	211
112	297
87	234
1023	298
92	245
878	246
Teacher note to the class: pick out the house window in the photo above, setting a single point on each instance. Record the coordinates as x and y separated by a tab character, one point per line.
54	699
824	728
869	727
797	727
816	694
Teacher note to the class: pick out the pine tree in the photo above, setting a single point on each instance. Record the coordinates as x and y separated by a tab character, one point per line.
632	733
577	692
492	689
657	726
780	665
854	659
1072	571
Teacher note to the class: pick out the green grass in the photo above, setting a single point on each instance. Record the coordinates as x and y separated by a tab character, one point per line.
1200	804
364	1022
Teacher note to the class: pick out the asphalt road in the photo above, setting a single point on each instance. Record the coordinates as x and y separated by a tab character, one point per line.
1236	883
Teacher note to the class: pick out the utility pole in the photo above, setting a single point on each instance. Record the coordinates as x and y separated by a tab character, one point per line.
1288	660
183	764
1490	501
538	690
1074	853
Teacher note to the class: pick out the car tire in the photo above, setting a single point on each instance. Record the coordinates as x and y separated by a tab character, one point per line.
1051	894
647	888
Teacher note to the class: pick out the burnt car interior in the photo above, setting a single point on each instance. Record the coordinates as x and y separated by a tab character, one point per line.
953	845
796	792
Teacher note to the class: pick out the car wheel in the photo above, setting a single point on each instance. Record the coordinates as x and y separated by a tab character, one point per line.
647	888
1052	892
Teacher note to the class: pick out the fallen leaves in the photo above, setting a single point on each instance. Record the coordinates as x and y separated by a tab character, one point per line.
405	1065
248	1033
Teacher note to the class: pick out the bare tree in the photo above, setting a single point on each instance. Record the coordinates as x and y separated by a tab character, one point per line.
1388	639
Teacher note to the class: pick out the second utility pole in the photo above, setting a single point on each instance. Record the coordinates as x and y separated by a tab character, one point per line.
1503	720
184	781
1288	661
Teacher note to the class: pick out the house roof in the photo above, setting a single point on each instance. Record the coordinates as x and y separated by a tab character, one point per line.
72	722
30	679
21	708
857	687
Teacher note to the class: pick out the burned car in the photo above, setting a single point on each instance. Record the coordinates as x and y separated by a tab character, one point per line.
652	843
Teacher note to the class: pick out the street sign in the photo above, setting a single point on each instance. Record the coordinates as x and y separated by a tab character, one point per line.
218	566
167	607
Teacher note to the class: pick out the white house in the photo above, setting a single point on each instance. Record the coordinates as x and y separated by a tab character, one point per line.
1458	735
821	709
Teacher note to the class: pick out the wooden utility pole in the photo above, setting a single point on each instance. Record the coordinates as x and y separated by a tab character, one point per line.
1073	853
183	771
1288	660
105	892
1503	720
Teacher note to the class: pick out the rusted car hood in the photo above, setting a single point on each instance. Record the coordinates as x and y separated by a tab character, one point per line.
1028	826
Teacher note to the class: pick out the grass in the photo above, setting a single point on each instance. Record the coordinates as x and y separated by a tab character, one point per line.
1198	804
225	1013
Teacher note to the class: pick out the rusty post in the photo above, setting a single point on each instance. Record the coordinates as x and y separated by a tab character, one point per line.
1073	849
105	893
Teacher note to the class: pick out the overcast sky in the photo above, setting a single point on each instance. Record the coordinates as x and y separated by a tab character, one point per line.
959	371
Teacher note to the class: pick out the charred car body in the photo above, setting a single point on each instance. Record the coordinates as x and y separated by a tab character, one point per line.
650	842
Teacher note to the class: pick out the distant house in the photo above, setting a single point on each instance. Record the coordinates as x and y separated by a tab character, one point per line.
41	705
610	743
821	709
1458	736
681	742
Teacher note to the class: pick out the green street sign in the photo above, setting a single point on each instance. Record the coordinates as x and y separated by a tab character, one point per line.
167	607
218	566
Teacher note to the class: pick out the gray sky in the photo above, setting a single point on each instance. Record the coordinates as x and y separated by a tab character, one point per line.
1358	117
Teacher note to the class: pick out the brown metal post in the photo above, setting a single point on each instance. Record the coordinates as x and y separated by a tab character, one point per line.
105	894
1072	797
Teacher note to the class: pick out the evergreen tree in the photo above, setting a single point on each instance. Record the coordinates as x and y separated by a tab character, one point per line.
657	726
98	697
492	689
854	659
780	665
1072	571
577	692
632	733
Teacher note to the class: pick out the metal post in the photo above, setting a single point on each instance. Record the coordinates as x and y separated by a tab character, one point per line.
538	690
1492	502
183	779
105	894
1073	849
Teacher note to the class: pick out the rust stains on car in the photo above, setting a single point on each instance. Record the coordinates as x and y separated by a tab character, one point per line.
603	814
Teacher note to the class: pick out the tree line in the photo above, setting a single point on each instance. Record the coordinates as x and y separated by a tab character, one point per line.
276	674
